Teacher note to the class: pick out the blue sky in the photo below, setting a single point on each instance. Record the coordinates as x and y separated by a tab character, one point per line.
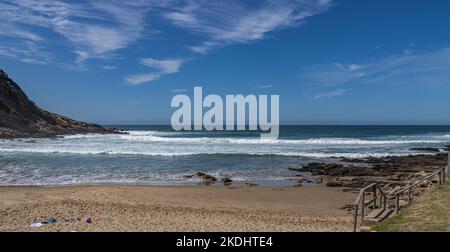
331	62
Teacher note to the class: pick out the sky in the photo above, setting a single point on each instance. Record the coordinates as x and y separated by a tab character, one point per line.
331	62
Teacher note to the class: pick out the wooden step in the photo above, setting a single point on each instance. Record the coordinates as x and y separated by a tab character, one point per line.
374	214
385	214
364	229
368	203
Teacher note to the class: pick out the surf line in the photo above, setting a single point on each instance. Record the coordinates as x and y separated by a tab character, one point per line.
240	111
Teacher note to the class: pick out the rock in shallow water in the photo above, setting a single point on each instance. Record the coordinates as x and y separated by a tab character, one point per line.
207	179
227	181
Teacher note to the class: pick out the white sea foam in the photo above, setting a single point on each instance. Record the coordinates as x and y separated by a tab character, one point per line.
154	143
205	152
152	136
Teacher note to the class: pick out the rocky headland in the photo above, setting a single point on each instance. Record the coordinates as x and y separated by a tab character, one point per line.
22	118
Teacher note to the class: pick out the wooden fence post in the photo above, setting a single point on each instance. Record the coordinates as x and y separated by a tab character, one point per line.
374	197
397	204
363	206
409	196
448	166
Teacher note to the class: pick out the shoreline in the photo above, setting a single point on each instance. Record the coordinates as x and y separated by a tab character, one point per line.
147	185
362	170
307	174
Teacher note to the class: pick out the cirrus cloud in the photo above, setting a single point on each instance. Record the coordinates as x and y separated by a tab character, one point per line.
232	22
95	29
334	93
422	68
43	31
160	68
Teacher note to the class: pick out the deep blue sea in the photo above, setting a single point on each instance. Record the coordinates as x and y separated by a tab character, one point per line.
157	155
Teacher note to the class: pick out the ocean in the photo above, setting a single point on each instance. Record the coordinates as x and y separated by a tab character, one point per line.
156	155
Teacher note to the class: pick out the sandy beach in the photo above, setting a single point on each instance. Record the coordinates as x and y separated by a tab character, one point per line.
175	208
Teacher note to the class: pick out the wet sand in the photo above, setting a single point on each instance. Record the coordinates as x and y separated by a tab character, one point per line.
175	208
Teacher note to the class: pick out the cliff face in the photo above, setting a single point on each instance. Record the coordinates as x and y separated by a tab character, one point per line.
20	117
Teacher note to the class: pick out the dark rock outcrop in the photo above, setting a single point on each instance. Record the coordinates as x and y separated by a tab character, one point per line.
206	178
227	181
20	117
387	171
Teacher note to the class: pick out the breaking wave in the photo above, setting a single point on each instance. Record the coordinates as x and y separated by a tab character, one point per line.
156	156
172	144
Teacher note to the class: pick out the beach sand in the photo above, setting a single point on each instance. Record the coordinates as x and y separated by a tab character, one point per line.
175	208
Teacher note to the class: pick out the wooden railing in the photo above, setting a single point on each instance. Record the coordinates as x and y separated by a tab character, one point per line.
440	178
376	194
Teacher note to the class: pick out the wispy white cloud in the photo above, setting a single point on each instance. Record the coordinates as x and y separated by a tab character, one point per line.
108	67
160	68
334	93
10	30
231	22
265	86
407	52
204	47
180	90
95	29
421	68
100	29
332	74
139	79
167	66
27	51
